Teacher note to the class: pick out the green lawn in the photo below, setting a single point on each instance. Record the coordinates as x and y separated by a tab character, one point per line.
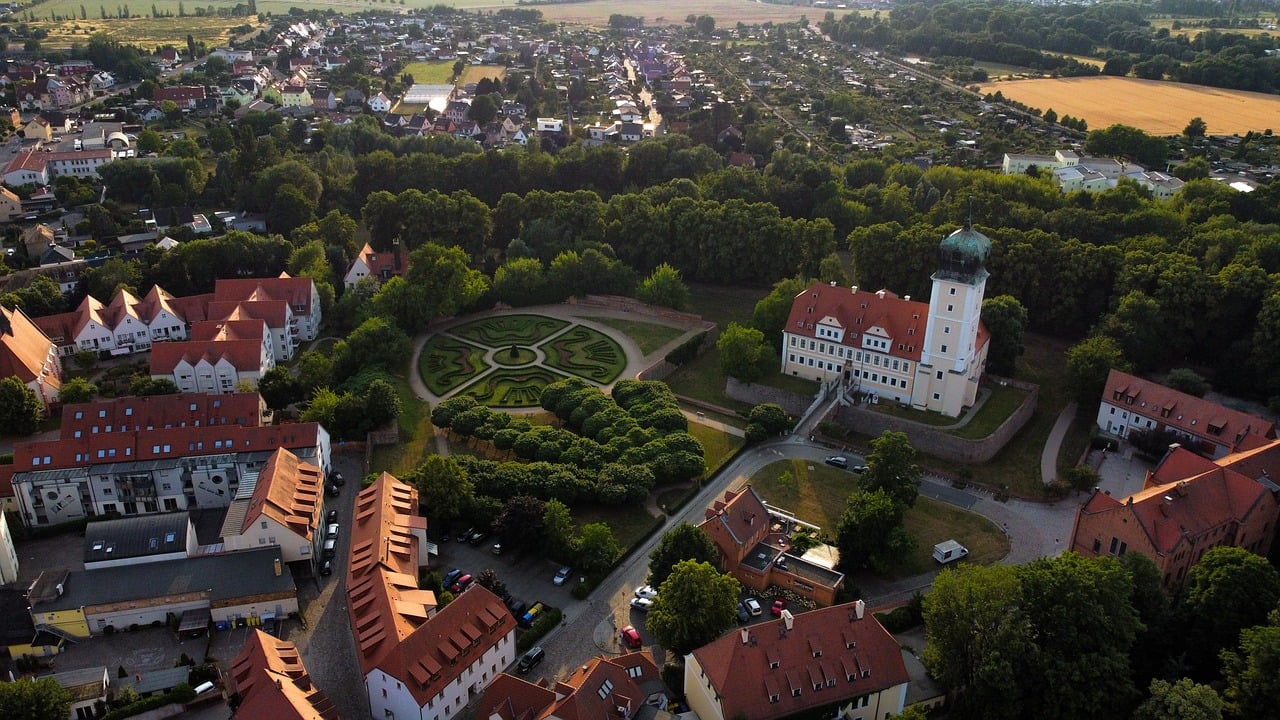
722	305
704	380
439	72
817	494
648	336
630	523
1003	401
717	446
416	435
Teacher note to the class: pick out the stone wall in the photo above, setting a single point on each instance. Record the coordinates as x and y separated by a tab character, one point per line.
755	394
938	442
626	304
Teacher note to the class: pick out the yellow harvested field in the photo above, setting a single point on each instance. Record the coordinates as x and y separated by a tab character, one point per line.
1159	108
476	73
727	13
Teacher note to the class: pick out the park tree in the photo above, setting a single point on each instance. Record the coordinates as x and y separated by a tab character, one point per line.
20	407
440	282
278	388
115	274
1088	364
1228	590
377	342
489	580
664	287
771	312
891	466
978	639
694	606
1252	671
520	524
1195	129
1153	645
767	420
743	353
557	527
1188	381
77	390
42	699
871	534
1006	319
444	488
682	542
41	297
1181	700
597	548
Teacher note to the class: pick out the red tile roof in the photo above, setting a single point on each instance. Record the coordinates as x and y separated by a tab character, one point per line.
23	348
275	313
575	697
32	159
1186	413
295	291
858	654
513	698
743	514
239	342
162	411
903	321
395	262
289	491
273	683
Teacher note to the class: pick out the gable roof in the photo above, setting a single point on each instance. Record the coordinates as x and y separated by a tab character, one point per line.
238	342
741	514
161	411
594	690
858	311
273	683
23	347
298	292
826	644
1186	413
289	491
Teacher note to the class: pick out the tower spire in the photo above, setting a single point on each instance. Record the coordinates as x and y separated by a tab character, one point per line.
968	221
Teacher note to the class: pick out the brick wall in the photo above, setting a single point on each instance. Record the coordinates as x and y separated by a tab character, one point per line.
755	394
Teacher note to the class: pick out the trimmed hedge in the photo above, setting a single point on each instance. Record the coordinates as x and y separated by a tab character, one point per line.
179	695
543	625
686	351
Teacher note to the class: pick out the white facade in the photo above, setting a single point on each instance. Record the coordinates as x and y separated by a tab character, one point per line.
8	555
220	375
390	698
269	531
705	701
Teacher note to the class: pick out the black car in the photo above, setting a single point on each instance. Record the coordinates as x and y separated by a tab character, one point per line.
465	534
530	660
333	490
336	478
518	607
331	516
743	615
477	537
326	568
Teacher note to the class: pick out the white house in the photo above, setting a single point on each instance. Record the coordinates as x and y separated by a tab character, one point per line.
219	357
380	103
282	506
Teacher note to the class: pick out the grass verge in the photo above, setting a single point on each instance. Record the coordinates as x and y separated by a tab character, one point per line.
717	446
630	523
647	336
416	435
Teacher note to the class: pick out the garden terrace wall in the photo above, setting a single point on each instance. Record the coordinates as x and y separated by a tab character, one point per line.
626	304
756	394
940	443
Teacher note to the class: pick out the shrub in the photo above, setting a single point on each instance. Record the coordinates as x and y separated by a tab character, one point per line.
897	620
686	351
545	624
673	677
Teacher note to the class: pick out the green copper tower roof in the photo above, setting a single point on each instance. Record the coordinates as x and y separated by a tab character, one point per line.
963	255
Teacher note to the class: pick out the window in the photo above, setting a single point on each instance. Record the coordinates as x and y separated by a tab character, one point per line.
944	348
795	692
1097	546
773	698
634	672
953	291
939	374
951	308
1114	542
936	396
946	330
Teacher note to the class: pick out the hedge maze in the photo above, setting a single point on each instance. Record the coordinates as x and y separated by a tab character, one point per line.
447	363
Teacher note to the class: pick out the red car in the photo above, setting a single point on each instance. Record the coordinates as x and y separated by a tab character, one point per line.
630	637
778	606
463	583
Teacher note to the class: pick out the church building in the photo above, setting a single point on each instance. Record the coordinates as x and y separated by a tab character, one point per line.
930	356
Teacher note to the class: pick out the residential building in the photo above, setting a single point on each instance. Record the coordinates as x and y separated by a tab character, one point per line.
416	661
126	325
380	266
18	633
295	96
221	357
1130	403
9	565
1188	505
755	548
272	682
28	167
837	657
283	506
10	205
223	588
138	540
603	687
300	294
26	353
86	687
137	469
380	103
930	356
184	96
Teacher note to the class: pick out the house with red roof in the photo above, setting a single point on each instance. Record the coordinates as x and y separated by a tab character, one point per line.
381	266
141	455
930	356
272	682
222	356
1188	505
1130	403
838	656
299	293
28	354
416	660
756	549
184	96
604	687
283	505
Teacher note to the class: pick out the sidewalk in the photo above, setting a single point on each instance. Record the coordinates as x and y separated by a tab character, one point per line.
1053	444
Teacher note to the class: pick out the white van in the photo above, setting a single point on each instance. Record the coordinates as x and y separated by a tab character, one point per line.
948	551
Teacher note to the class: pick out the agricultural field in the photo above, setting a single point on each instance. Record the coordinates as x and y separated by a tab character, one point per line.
1159	108
1194	32
143	31
435	72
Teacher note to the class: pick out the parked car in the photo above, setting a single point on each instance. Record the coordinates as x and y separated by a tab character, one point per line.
562	575
333	490
450	577
497	548
336	478
326	568
331	516
330	549
530	660
477	537
630	637
743	615
642	604
646	591
462	583
271	626
778	606
859	469
465	534
517	608
332	531
753	607
837	461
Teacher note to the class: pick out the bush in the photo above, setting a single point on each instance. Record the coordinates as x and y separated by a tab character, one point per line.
673	678
545	624
897	620
180	694
6	458
686	351
832	429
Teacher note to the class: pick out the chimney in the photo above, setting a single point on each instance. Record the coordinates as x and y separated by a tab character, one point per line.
880	294
859	608
746	636
907	298
788	619
277	567
853	289
279	684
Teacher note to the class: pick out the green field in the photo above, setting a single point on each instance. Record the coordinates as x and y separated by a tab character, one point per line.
438	72
647	336
503	330
512	388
